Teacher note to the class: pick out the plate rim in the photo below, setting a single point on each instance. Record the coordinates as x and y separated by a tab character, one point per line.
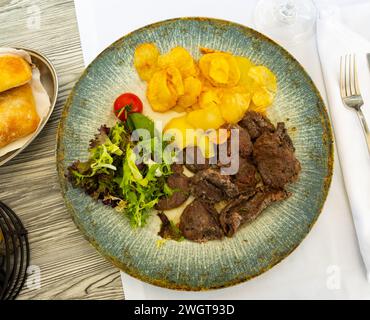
326	125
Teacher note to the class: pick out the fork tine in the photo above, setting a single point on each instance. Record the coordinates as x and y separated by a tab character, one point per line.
342	80
346	88
357	88
350	75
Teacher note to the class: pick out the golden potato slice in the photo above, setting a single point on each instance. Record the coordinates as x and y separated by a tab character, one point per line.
184	134
263	98
232	90
178	123
263	77
161	93
195	106
253	107
204	50
234	106
206	84
192	89
178	109
209	98
244	65
181	59
181	131
220	69
207	118
146	60
175	80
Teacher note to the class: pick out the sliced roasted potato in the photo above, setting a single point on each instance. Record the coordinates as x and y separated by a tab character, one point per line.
161	94
182	131
262	98
263	77
204	50
180	58
175	80
146	60
217	90
206	118
209	98
253	107
233	90
220	69
234	105
244	65
192	89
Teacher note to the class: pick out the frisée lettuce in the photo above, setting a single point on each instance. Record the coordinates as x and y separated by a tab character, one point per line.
114	174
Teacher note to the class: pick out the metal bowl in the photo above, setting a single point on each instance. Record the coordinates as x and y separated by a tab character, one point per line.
49	80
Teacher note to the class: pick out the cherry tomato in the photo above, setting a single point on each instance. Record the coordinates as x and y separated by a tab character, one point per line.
125	104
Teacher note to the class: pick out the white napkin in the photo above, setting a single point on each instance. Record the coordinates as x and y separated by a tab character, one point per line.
333	40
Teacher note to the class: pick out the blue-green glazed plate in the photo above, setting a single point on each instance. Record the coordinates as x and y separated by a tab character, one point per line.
256	247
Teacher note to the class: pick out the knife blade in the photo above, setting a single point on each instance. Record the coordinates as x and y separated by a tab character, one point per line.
368	59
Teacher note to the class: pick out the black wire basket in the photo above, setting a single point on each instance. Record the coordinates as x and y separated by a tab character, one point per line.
14	254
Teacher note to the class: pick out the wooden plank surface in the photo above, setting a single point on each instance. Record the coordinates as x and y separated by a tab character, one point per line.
69	267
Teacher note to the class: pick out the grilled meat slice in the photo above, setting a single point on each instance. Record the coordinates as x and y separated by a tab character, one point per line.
211	186
199	222
275	159
255	124
222	182
245	142
206	191
282	132
246	208
247	178
168	231
194	160
180	184
178	168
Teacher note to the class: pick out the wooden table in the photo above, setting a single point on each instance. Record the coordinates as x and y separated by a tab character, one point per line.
69	267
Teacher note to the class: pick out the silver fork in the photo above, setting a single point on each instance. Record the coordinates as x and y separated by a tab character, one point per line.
350	91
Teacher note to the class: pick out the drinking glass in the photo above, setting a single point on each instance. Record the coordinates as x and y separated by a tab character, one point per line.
286	21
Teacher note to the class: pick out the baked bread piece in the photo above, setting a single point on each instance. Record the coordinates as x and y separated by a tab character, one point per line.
18	115
14	72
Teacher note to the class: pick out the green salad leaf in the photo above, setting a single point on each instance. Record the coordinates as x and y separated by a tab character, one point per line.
113	173
139	121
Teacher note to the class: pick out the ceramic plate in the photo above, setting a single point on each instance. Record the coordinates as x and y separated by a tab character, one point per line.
257	246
